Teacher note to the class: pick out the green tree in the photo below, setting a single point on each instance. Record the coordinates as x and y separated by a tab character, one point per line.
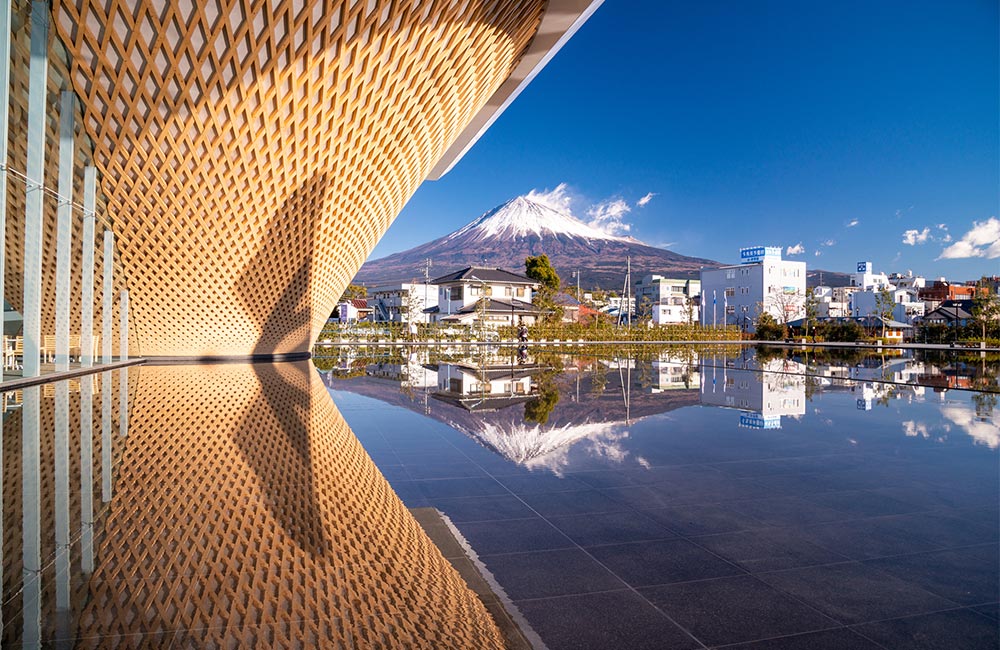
812	312
884	306
540	270
539	407
985	307
354	291
768	329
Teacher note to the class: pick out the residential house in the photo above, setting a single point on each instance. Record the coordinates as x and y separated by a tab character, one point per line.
354	310
466	296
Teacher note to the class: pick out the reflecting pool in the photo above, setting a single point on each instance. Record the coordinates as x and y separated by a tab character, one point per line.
677	499
212	506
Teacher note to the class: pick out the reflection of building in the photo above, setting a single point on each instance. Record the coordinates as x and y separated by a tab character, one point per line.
674	372
485	388
736	295
764	392
409	372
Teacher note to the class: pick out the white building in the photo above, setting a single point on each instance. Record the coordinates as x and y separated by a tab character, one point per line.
402	302
465	296
866	279
906	304
736	295
827	306
668	300
904	290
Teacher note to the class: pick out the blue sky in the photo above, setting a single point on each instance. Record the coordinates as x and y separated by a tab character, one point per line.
848	130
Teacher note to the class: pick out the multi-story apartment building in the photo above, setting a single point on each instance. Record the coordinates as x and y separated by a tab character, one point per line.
402	302
667	300
738	294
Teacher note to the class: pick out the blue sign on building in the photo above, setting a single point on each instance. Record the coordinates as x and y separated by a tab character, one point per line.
759	253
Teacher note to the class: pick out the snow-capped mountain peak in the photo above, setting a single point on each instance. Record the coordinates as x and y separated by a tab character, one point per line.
523	217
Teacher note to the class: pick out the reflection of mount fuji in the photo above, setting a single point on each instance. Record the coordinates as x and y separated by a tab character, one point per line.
586	417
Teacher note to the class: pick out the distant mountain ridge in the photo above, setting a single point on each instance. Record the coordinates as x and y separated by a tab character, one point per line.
504	236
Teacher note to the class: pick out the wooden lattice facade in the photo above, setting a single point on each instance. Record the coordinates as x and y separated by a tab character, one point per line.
252	152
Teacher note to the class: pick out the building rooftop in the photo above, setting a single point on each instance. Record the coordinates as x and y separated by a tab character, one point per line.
477	274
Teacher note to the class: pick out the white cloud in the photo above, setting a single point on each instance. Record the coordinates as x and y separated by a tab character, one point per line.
982	240
609	216
943	227
828	242
852	223
797	249
915	429
557	199
984	430
646	199
817	253
914	237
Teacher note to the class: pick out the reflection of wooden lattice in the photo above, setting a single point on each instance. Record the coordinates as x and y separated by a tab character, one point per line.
247	514
12	497
252	152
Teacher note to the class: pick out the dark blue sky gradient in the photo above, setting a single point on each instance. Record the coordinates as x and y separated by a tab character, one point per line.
756	123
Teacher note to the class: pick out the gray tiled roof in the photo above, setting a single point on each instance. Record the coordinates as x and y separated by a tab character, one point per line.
475	274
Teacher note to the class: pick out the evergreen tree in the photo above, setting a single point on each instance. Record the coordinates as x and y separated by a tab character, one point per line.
985	307
540	270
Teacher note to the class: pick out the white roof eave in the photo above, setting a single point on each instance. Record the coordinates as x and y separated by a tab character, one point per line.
562	18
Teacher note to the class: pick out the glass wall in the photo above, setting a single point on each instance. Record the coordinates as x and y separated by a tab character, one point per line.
63	288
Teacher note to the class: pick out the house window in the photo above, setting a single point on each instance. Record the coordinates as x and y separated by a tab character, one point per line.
730	274
507	291
456	292
730	292
520	292
730	309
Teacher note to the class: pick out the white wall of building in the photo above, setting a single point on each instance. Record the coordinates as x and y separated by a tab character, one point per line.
734	295
402	302
453	296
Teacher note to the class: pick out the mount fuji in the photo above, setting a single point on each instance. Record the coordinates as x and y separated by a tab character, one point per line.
504	236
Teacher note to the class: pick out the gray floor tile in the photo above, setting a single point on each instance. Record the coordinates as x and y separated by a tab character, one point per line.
554	504
955	630
662	562
550	573
855	593
839	639
735	610
618	619
966	576
512	536
769	549
610	528
491	508
693	520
